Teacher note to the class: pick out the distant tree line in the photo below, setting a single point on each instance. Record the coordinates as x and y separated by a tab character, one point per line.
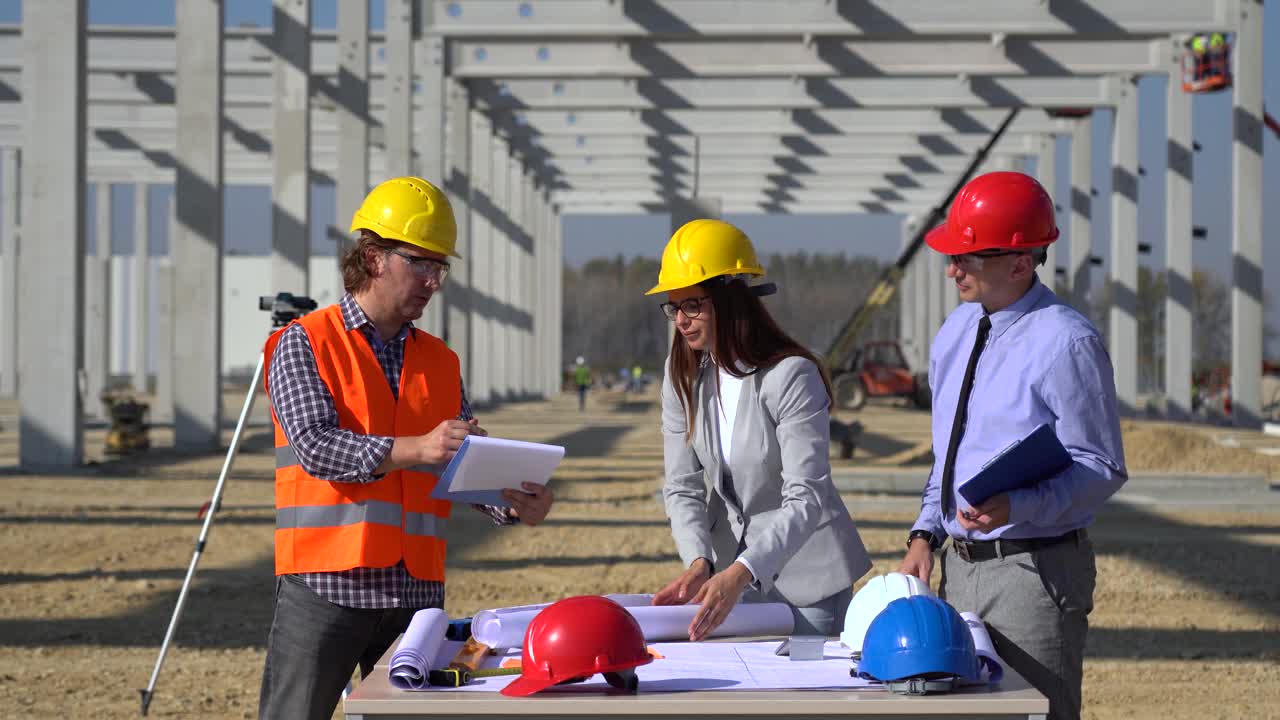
611	322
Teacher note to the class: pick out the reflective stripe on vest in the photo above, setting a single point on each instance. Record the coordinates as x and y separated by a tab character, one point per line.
370	511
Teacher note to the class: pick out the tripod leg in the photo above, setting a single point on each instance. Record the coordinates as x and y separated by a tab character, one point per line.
214	504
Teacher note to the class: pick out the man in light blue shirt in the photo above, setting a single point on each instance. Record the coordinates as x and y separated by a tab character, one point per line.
1012	357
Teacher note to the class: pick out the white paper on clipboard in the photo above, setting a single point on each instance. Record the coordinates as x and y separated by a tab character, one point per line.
485	466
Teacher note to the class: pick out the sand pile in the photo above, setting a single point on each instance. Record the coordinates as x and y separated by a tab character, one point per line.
1166	446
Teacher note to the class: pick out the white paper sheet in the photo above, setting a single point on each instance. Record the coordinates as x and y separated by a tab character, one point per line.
484	466
502	628
419	649
686	666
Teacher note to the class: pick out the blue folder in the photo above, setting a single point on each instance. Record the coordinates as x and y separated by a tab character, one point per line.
1038	456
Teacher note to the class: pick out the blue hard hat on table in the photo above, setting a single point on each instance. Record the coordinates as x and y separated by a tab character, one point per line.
918	637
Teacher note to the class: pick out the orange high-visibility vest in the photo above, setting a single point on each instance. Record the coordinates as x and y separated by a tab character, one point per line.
324	526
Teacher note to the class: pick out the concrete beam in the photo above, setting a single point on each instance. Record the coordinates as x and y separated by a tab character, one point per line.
793	92
749	181
51	266
291	149
799	144
196	246
821	57
569	168
1246	215
666	123
707	18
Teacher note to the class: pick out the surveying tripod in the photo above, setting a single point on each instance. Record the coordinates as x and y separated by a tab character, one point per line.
285	308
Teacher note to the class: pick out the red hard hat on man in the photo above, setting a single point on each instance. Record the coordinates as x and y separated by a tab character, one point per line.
996	211
576	638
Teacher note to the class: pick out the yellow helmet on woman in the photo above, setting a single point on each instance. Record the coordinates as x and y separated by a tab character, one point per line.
704	249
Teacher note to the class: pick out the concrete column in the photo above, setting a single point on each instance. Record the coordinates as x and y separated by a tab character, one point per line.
938	286
501	252
399	79
196	246
291	148
458	186
1177	213
353	117
920	303
51	269
480	263
906	286
557	253
1046	163
1122	338
682	211
1246	220
428	61
518	251
534	275
1078	266
162	404
139	301
97	308
9	271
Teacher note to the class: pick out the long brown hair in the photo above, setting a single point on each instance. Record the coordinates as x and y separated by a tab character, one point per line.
745	333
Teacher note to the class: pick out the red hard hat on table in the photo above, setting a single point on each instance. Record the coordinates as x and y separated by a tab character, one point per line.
996	211
576	638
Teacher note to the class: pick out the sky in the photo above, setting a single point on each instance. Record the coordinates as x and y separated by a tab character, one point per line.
247	209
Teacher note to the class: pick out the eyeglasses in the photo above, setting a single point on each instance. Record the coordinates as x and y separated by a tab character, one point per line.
972	262
424	268
691	308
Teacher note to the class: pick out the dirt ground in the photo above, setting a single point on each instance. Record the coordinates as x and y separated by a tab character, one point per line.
1186	625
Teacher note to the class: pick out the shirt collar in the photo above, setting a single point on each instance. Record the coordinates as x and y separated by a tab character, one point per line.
1003	319
353	317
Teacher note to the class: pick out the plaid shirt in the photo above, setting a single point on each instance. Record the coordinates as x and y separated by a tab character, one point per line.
305	409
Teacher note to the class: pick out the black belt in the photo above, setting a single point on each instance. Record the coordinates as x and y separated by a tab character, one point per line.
979	550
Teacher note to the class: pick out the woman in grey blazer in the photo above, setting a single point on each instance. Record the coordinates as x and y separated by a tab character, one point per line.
745	424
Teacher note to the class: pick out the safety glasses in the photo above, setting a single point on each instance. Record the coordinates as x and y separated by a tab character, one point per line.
691	308
973	262
424	268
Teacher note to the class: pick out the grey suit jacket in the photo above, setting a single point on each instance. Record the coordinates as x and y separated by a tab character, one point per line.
787	517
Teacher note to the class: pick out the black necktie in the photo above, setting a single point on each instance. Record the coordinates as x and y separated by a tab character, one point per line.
962	414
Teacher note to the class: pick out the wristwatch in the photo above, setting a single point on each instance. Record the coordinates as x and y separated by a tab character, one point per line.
928	536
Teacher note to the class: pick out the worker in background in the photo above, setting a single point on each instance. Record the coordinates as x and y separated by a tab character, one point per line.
745	411
637	378
582	378
367	409
1011	357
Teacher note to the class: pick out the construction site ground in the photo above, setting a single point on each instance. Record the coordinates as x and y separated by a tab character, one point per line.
1186	623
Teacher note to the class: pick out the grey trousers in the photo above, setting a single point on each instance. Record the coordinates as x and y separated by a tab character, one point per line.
1036	606
825	617
315	645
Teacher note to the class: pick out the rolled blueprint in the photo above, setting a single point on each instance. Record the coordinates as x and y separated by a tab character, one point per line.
987	658
416	653
502	628
671	622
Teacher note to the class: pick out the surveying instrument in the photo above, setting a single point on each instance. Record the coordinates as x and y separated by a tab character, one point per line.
284	308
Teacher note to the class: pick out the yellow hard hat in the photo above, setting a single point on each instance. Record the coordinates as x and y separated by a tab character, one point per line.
412	210
1217	41
703	249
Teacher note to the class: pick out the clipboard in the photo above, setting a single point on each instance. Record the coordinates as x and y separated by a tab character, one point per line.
484	466
1035	457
